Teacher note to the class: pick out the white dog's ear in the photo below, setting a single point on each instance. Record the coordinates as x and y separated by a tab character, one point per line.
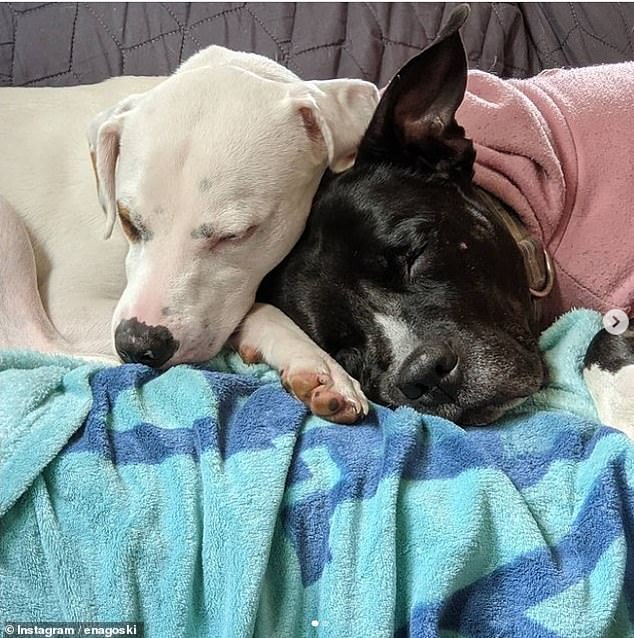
104	133
338	111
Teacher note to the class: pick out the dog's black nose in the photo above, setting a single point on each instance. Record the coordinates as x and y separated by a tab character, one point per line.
431	375
137	342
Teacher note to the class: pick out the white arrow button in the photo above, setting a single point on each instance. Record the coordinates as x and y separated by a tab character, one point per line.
615	321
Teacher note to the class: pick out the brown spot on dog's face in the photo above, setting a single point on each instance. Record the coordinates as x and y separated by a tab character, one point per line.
131	232
133	225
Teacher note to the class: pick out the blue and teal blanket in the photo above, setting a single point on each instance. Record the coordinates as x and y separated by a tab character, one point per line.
207	503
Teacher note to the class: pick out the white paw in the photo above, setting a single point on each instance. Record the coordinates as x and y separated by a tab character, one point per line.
326	389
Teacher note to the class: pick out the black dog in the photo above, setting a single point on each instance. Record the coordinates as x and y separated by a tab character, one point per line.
414	279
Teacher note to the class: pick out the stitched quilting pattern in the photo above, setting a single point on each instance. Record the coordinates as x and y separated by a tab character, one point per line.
62	44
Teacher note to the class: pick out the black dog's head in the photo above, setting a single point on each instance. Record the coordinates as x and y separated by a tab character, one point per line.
402	273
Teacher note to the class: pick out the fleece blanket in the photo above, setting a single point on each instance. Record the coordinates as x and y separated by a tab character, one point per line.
553	149
205	502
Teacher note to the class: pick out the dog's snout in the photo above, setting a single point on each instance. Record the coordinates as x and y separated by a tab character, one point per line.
136	342
431	375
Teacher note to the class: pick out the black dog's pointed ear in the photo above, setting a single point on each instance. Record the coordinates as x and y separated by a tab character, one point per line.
415	119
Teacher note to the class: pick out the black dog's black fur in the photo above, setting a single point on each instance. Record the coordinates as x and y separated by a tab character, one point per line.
398	250
611	352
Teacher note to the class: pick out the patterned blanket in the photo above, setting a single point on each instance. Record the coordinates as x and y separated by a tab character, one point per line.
205	502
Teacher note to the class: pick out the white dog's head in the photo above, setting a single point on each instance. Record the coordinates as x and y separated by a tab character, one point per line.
211	175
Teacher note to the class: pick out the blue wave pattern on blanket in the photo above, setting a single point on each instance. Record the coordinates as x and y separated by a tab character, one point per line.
208	504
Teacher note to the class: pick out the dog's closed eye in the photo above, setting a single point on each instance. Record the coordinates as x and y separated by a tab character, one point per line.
415	262
235	238
217	239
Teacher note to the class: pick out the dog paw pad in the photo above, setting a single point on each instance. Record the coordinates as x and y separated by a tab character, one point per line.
249	354
335	397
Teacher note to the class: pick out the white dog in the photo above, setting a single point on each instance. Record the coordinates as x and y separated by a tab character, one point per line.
210	174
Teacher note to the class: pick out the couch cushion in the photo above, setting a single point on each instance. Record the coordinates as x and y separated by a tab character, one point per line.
59	44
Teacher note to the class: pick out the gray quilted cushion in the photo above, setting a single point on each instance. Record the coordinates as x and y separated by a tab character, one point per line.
75	43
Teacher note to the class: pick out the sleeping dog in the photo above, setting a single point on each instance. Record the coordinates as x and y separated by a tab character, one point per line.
206	179
430	285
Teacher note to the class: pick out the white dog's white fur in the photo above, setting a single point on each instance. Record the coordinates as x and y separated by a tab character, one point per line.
213	171
613	396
